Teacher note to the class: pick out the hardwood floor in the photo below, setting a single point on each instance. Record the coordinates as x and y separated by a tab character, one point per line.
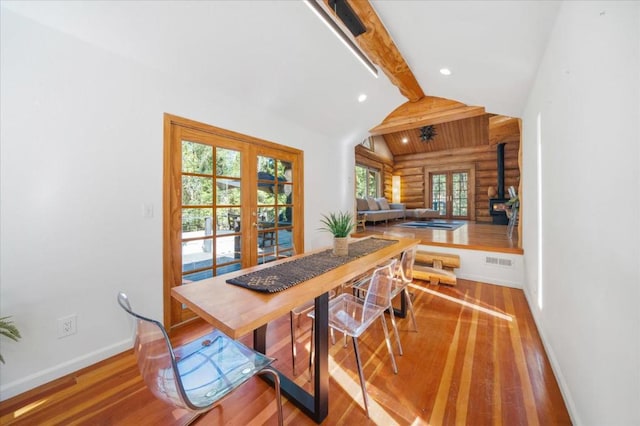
476	359
475	236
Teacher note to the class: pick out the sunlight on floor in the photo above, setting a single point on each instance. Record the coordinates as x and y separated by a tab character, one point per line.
464	303
377	413
27	408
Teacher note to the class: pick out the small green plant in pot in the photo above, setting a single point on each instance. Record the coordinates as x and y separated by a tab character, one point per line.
9	330
339	224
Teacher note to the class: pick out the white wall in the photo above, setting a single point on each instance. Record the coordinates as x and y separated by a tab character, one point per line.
587	95
508	272
82	134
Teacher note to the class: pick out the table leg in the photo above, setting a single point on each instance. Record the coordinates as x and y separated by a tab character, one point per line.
321	357
402	312
315	406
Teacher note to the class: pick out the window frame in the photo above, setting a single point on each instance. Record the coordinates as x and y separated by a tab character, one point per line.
378	181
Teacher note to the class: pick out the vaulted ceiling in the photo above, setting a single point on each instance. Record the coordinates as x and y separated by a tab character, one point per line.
279	57
411	128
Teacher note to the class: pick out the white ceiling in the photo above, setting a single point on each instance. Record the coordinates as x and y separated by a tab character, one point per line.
279	56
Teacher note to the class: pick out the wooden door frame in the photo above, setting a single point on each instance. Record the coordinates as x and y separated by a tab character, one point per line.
172	201
454	167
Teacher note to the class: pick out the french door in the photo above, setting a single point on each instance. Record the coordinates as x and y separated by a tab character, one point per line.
450	192
230	202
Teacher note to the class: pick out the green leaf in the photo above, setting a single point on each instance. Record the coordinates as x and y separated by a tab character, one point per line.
339	224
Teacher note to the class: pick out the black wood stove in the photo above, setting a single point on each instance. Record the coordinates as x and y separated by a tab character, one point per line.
497	205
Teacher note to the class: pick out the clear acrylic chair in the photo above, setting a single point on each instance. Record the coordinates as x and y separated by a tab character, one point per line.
404	277
352	316
294	316
198	375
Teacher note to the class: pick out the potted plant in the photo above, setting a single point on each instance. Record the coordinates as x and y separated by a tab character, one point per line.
9	330
340	225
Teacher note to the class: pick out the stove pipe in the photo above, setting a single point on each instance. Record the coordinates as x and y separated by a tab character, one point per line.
500	170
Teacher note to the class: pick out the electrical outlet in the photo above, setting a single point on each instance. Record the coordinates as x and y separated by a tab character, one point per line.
67	326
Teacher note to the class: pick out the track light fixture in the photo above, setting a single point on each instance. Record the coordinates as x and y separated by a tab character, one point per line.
346	40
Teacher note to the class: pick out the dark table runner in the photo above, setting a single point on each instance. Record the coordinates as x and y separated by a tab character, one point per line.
282	276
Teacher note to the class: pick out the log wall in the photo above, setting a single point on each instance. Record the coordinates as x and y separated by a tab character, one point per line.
411	169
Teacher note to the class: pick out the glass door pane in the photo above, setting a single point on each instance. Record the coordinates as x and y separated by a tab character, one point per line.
439	193
274	217
214	221
210	201
228	210
460	194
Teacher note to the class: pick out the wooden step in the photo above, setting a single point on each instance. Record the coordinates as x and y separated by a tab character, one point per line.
434	275
430	258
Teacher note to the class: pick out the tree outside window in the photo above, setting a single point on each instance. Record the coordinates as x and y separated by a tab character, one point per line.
367	182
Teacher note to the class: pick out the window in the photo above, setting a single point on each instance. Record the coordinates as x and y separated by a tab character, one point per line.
367	182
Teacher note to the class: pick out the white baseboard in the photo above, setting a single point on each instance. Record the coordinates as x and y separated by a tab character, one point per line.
564	388
32	381
489	280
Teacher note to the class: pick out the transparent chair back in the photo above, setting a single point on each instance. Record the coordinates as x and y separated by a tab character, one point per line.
352	317
379	291
405	266
404	269
194	376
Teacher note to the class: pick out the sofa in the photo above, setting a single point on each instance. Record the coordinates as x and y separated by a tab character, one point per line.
379	209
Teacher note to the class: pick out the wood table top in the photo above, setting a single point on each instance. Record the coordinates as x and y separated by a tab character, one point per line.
237	311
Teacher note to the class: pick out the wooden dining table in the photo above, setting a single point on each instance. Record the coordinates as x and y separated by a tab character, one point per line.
237	311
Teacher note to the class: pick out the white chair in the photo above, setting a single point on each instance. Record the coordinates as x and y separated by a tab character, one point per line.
198	375
352	315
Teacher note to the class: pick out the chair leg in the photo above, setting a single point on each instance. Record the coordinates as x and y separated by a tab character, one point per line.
386	338
293	341
363	385
395	329
276	386
311	350
410	306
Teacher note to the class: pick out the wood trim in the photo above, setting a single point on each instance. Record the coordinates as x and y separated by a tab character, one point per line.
227	134
361	152
169	191
176	128
367	158
520	212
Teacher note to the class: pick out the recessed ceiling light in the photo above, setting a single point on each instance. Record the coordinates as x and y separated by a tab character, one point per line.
405	140
362	98
445	71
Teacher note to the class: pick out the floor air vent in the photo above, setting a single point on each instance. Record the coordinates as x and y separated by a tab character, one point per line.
498	261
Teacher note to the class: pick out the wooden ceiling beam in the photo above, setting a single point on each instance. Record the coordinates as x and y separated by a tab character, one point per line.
377	44
503	129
